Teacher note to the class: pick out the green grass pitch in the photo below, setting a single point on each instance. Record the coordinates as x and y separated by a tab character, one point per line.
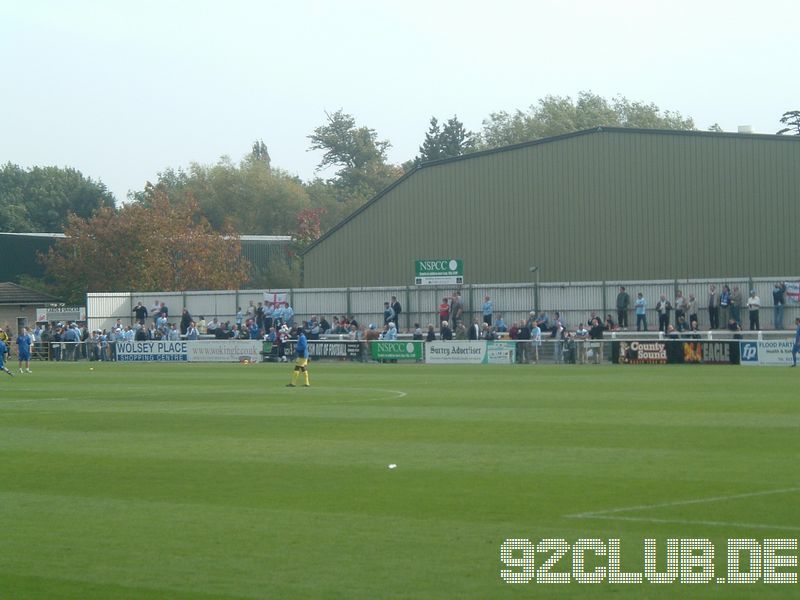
214	481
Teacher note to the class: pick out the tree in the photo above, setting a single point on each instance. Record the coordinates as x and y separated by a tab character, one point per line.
254	197
557	115
431	148
447	142
40	199
164	246
456	140
792	121
260	153
359	155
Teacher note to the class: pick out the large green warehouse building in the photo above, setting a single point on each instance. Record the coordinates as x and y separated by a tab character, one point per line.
602	204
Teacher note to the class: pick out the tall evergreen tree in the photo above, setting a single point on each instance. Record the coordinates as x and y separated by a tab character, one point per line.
445	142
792	121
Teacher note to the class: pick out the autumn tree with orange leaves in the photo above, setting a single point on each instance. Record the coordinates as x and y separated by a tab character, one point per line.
157	247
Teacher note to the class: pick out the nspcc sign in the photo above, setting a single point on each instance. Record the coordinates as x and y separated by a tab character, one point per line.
441	271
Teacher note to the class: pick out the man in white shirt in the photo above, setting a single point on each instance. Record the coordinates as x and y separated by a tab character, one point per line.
753	305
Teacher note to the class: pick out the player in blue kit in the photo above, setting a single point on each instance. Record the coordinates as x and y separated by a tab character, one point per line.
301	364
3	352
24	341
796	346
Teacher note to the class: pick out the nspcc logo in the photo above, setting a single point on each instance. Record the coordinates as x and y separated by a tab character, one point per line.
749	352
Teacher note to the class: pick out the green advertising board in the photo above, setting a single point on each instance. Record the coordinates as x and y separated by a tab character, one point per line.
439	271
396	350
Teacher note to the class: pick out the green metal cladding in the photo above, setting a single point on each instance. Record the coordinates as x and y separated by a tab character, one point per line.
597	205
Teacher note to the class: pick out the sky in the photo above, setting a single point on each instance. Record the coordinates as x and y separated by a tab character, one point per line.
122	91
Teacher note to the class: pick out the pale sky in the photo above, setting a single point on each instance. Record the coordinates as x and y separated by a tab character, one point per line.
121	91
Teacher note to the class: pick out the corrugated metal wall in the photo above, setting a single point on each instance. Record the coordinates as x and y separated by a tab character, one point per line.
601	205
575	301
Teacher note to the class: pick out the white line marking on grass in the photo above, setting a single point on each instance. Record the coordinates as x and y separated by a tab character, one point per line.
395	394
685	502
614	514
686	522
34	400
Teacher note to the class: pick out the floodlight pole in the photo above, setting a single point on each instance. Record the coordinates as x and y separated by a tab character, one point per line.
535	270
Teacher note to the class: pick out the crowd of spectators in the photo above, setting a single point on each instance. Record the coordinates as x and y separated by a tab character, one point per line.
275	322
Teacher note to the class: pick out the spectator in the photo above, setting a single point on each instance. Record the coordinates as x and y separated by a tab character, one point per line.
417	333
596	334
623	304
388	313
445	333
753	306
55	343
313	328
609	324
191	332
694	330
724	304
778	300
524	342
444	311
691	308
140	312
500	324
456	309
536	342
558	325
155	311
277	316
663	308
269	316
72	338
288	314
736	304
733	325
396	309
431	336
250	315
488	310
186	320
370	336
582	338
680	305
713	307
94	346
474	332
162	325
201	326
559	334
641	312
324	326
